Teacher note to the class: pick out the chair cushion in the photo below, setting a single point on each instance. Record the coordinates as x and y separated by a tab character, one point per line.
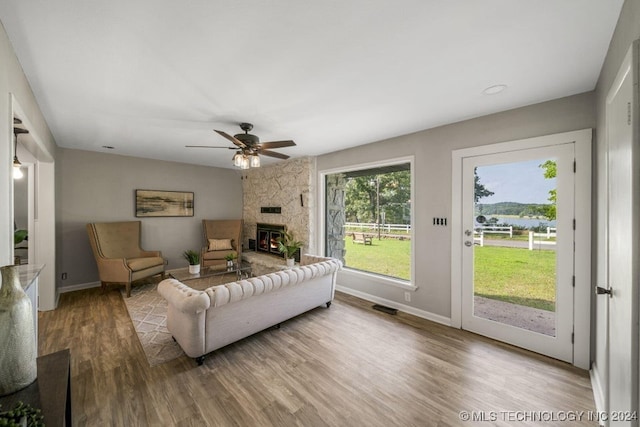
217	254
137	264
220	245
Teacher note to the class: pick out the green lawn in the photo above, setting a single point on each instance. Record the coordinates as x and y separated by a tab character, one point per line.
390	257
514	275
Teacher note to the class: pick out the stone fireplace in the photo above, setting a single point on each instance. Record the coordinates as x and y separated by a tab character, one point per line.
281	195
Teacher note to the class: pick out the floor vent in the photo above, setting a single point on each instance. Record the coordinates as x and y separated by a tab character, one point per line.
384	309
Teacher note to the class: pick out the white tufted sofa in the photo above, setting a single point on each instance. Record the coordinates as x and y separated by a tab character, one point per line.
203	321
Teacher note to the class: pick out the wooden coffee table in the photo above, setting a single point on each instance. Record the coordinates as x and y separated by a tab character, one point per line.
239	270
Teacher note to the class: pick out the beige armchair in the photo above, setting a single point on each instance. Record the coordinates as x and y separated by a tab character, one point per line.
116	248
222	237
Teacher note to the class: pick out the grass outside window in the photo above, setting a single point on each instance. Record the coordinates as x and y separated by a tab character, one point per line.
514	275
389	257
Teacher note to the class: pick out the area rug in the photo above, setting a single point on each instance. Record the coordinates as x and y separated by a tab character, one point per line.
148	312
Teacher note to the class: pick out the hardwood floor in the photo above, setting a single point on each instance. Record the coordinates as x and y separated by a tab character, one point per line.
345	366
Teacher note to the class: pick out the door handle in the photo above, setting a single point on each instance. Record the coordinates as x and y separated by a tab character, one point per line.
468	243
604	291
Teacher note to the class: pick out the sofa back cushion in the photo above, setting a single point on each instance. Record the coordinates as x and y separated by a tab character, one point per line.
242	289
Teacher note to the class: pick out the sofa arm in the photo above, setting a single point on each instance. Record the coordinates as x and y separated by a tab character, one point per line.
183	298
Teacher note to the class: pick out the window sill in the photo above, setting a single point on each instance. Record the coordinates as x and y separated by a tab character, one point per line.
379	279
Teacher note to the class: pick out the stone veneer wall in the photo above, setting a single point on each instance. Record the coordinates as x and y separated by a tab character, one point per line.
281	185
335	212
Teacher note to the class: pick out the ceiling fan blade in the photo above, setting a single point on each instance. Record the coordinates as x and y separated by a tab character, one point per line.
273	154
277	144
209	146
235	140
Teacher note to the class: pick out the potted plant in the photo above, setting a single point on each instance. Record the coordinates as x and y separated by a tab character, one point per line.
288	246
230	258
194	261
19	236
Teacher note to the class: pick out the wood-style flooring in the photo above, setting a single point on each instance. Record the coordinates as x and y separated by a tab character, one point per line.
348	365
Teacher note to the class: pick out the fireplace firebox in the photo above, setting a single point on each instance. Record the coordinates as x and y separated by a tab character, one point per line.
267	239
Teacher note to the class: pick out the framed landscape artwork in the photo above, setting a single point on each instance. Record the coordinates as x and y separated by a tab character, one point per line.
163	203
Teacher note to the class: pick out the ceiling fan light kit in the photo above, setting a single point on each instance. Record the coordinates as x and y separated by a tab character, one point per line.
255	160
249	148
237	159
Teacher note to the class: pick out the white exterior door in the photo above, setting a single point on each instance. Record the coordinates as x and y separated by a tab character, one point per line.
511	291
619	297
531	288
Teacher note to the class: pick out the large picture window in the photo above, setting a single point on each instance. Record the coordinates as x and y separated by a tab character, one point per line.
368	219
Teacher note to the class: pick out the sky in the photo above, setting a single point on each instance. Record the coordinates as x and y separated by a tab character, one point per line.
521	182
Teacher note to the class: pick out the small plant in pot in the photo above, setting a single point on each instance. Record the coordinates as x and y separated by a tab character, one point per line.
230	258
288	246
194	261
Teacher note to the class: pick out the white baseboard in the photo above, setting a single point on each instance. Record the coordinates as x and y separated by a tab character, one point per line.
597	387
78	287
404	308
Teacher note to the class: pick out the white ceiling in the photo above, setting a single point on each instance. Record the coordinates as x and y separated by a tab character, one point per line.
151	76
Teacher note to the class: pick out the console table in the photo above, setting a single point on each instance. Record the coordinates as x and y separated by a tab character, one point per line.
51	391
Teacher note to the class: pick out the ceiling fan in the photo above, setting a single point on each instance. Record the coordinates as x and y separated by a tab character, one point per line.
248	147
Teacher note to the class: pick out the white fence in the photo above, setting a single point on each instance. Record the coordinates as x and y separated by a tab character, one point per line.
478	237
388	228
490	229
534	238
547	235
479	232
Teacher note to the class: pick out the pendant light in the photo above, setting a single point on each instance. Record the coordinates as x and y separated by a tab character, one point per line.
17	172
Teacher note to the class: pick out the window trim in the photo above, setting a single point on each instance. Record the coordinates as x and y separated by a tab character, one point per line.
378	278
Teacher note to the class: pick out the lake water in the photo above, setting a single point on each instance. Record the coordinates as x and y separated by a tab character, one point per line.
524	222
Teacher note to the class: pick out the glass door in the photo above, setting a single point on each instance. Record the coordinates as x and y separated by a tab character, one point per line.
518	210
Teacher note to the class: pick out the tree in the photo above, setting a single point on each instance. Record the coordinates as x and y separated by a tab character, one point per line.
360	200
550	172
480	190
395	193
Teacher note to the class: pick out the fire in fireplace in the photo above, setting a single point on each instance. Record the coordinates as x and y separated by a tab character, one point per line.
267	237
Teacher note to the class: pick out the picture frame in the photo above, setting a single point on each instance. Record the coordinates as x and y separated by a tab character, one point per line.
161	203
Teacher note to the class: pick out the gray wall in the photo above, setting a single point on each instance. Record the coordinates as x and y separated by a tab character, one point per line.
98	187
432	150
